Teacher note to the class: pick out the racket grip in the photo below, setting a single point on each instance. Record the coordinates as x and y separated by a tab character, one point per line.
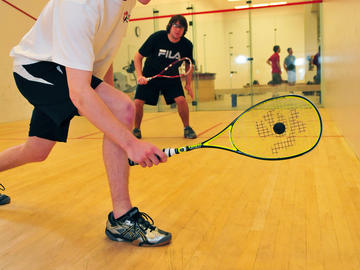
168	151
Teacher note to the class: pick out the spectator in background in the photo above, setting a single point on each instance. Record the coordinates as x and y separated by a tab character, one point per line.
289	65
274	62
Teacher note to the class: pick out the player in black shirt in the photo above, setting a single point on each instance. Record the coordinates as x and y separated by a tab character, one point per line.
161	49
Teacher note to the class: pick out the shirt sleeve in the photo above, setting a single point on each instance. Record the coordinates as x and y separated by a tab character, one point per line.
73	35
148	47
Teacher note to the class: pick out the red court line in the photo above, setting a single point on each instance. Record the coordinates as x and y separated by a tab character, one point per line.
156	117
19	9
226	10
98	132
87	135
207	130
193	13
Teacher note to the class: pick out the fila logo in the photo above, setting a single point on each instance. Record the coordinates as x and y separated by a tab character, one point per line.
168	54
126	16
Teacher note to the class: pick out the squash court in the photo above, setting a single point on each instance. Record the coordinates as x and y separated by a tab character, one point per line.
225	211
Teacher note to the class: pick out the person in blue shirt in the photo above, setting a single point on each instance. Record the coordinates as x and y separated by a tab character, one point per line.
290	67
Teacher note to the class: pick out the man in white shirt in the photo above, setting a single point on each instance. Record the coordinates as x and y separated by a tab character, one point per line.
62	66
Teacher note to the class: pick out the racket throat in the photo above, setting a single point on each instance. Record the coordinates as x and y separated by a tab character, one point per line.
173	151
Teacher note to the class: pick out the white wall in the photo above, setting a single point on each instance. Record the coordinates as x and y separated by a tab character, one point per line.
341	71
14	25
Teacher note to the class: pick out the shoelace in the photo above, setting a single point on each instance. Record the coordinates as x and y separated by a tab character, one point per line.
144	220
2	187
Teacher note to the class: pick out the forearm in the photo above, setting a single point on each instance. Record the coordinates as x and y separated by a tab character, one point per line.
138	64
189	77
90	105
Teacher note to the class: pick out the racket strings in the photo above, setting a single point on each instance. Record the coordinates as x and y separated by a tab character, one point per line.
277	128
295	126
295	123
262	129
265	126
288	142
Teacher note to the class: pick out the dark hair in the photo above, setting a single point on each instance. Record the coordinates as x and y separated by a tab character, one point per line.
288	49
177	18
276	48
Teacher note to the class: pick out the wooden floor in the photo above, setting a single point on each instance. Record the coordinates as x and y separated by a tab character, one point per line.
225	211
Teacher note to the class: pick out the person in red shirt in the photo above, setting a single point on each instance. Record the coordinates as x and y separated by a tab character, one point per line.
274	62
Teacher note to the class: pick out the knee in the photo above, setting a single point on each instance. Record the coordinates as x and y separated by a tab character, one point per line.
36	152
129	116
180	100
40	156
36	155
139	104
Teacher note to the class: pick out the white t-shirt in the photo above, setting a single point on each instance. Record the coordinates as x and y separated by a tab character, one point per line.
81	34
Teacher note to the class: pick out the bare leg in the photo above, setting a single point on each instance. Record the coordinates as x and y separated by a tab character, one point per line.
139	105
183	110
115	158
35	149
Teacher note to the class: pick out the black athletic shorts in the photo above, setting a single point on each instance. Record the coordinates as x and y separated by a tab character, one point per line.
169	88
44	85
276	78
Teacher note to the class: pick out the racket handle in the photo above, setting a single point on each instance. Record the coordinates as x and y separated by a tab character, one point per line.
168	151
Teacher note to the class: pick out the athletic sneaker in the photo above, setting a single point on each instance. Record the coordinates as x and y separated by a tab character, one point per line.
137	133
189	133
4	199
135	227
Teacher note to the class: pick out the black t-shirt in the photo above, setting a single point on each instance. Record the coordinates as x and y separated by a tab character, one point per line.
161	52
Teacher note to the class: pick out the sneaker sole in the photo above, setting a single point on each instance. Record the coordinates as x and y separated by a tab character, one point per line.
136	242
5	200
189	137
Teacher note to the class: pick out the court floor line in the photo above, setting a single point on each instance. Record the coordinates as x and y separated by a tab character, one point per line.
97	132
207	130
199	134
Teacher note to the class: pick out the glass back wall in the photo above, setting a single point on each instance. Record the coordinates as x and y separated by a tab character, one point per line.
231	50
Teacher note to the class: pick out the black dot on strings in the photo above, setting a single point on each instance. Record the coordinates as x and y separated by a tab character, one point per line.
279	128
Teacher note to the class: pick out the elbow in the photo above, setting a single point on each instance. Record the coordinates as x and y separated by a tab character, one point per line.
76	99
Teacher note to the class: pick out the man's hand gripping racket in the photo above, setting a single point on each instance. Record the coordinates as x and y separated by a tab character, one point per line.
275	129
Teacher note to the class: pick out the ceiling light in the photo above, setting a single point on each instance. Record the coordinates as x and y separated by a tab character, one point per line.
278	3
242	7
261	5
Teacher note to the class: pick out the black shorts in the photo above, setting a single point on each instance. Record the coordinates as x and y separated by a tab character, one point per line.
276	78
44	85
169	88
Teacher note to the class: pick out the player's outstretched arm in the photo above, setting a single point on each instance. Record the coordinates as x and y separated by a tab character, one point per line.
138	59
90	105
